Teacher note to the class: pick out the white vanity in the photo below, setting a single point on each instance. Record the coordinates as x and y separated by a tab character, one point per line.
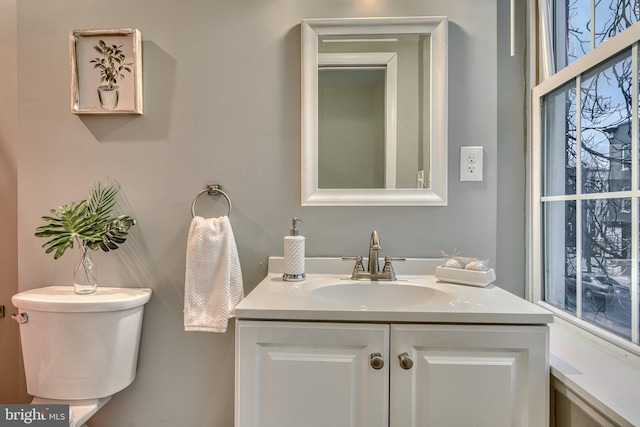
329	351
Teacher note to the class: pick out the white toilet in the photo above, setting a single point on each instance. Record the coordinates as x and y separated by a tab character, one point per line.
79	349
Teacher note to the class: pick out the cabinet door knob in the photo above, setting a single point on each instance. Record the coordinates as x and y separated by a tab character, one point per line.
377	362
405	361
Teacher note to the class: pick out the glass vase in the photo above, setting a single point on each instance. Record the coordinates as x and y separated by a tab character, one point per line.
85	273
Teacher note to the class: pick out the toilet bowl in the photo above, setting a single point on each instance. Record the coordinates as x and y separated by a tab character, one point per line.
79	350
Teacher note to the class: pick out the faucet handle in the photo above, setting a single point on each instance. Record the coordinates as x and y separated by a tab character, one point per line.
357	259
388	268
358	268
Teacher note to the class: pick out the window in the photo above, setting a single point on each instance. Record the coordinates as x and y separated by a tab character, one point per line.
575	35
585	171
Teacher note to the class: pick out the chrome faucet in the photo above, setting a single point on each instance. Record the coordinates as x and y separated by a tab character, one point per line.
374	247
373	270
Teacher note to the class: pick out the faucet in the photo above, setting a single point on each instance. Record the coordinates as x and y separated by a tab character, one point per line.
373	270
374	247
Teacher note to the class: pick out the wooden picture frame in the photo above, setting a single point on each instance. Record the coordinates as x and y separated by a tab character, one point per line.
106	71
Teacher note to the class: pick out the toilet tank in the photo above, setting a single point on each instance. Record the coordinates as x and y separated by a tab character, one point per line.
80	346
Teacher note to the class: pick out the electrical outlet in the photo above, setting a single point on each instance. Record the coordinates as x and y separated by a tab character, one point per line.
471	163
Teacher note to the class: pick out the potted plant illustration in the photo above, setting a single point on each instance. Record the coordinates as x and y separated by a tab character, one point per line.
112	66
91	224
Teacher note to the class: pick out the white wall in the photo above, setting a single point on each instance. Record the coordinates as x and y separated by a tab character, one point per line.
222	105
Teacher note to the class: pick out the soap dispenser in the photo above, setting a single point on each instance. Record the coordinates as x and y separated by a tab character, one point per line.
294	254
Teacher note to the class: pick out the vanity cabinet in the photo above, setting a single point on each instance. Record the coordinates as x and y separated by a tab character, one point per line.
469	375
310	374
293	374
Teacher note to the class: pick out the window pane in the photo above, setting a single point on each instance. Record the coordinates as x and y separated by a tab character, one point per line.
606	126
613	17
606	270
559	109
573	26
578	22
560	254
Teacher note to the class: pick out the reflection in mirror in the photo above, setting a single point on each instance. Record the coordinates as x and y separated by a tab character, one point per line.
374	111
356	119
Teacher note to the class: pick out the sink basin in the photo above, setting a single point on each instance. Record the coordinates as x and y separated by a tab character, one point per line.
381	295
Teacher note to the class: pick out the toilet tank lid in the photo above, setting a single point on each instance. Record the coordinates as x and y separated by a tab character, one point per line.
63	299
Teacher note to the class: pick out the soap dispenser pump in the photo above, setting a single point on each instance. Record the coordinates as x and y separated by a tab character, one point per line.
294	254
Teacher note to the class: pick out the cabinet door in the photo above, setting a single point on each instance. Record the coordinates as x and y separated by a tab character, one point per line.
295	374
480	376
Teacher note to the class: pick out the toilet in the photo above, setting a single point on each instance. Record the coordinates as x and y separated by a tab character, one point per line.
79	350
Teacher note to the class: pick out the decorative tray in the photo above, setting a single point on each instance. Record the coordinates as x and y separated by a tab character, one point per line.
465	277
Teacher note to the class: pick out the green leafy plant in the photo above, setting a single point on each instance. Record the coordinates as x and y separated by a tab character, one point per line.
110	63
91	223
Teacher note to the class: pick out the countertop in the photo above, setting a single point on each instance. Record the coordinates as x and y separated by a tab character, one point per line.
275	299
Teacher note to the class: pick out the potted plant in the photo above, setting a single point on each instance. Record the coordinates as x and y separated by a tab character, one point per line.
91	224
112	67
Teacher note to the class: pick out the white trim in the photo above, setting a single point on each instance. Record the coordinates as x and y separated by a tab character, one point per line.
578	194
596	373
534	215
512	28
635	303
592	196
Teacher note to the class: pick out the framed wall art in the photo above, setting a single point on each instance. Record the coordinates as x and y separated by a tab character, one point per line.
106	71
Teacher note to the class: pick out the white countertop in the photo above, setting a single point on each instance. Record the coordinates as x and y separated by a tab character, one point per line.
275	299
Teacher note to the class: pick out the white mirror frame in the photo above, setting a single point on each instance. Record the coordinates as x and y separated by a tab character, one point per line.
436	194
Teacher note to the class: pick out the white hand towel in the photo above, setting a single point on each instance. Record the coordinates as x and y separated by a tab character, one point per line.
213	278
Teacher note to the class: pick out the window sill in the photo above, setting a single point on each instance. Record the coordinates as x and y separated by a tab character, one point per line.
597	373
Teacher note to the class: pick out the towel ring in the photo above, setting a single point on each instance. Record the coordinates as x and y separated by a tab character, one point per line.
211	190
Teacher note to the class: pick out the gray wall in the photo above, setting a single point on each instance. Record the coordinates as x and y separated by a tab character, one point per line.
222	104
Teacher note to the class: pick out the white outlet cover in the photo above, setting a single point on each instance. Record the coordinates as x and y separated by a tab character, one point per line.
471	163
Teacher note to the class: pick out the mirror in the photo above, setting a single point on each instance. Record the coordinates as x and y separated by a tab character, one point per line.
374	111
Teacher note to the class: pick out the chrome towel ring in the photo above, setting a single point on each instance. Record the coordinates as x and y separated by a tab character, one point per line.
211	190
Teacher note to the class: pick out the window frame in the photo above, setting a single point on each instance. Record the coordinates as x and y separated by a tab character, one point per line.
628	39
